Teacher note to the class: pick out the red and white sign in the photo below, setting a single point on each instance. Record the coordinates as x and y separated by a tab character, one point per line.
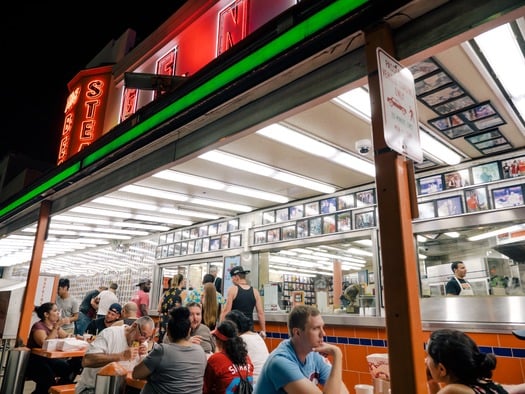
399	107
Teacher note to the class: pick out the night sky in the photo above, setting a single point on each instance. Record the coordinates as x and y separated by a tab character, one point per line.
44	46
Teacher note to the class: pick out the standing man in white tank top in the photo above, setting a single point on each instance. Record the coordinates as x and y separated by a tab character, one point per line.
458	285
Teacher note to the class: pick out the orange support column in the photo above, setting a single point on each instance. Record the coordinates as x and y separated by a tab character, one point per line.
28	304
400	279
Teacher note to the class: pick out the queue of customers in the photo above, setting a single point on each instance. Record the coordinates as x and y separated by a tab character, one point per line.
225	354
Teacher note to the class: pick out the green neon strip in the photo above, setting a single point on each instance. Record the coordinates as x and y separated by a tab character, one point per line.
285	41
42	188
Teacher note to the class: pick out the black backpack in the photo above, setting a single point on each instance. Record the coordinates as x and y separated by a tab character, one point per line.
245	387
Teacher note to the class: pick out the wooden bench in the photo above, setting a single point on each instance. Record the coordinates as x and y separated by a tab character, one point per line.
63	389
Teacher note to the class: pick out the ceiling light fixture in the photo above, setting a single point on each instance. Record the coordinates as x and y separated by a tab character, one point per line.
495	233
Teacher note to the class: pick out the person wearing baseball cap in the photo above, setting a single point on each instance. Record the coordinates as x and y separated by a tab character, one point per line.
141	297
243	297
112	316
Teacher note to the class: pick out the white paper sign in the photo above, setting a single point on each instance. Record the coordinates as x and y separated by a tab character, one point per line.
399	107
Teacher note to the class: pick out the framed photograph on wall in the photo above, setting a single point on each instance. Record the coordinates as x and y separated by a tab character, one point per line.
268	217
345	202
446	122
198	245
185	234
487	172
302	228
432	82
443	94
288	232
457	179
328	205
311	208
223	227
458	131
259	237
203	231
273	235
178	235
328	224
449	206
476	199
191	247
184	248
365	219
281	215
427	210
176	252
315	226
507	197
454	105
235	240
296	211
213	228
479	111
225	241
344	221
206	244
215	243
424	68
171	250
430	184
366	197
233	224
513	168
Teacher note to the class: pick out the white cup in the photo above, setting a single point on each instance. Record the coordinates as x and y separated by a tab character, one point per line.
364	389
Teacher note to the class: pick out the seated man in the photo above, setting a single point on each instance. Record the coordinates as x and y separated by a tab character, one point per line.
122	344
129	314
99	324
298	364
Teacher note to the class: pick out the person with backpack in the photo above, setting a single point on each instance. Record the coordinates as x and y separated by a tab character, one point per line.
229	370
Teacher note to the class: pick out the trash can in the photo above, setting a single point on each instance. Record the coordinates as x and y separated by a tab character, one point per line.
111	379
15	371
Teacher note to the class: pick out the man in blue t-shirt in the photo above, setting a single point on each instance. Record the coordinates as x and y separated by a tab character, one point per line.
297	365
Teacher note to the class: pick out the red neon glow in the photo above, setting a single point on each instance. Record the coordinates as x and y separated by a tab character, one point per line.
85	109
232	25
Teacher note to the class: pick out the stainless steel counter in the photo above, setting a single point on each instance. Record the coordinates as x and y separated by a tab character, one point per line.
476	314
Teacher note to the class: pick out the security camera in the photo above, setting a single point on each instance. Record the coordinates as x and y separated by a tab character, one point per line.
363	146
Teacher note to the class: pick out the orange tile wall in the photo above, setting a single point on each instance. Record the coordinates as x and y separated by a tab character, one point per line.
509	350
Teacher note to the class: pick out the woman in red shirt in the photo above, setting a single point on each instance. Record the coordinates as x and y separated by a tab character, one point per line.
229	364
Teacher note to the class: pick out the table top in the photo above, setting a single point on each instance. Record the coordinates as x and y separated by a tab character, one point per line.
58	353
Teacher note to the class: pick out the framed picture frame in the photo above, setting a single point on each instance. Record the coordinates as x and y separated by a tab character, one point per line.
177	250
281	215
424	68
458	131
449	206
311	208
365	219
315	226
431	184
184	248
485	173
345	202
476	199
296	211
446	122
329	224
301	228
162	238
170	237
479	111
206	244
194	233
171	250
259	237
489	140
288	232
185	234
489	122
215	243
454	105
268	217
203	231
513	168
235	240
225	241
213	228
432	82
191	246
344	221
177	236
328	205
507	197
496	149
427	210
365	198
444	94
233	225
457	179
222	228
273	235
198	245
